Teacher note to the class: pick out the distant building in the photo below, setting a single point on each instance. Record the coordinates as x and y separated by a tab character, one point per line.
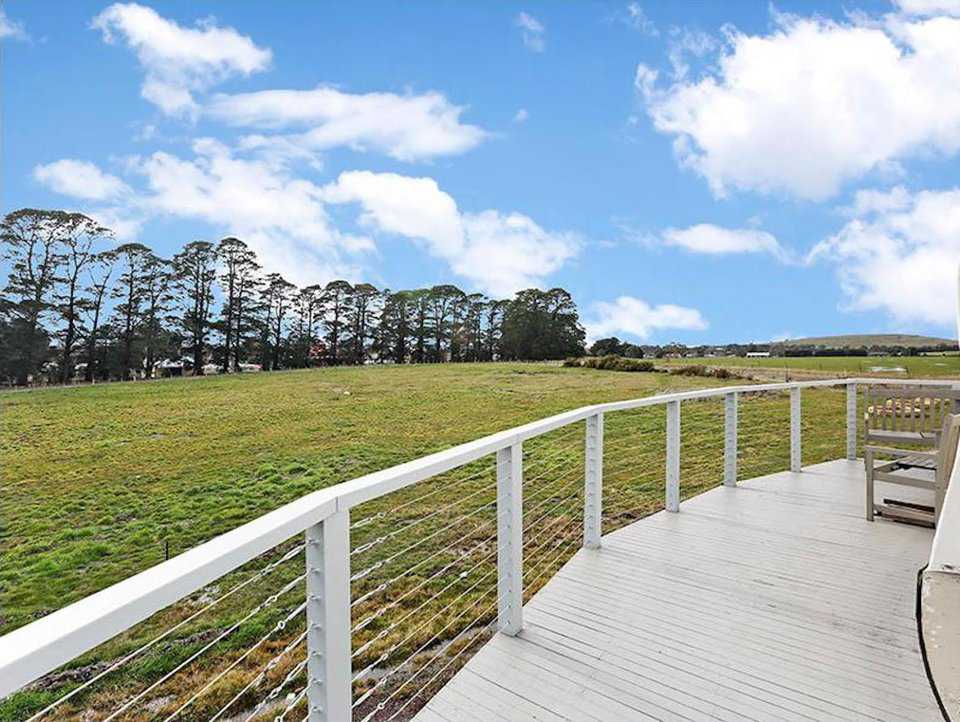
758	354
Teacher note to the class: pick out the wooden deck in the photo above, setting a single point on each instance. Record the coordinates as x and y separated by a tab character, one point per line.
776	600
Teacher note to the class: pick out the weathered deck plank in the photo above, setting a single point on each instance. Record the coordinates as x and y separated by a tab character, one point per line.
773	600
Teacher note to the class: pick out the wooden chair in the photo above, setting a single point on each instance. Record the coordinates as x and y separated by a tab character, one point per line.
940	461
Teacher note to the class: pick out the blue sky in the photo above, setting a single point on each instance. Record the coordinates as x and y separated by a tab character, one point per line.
689	171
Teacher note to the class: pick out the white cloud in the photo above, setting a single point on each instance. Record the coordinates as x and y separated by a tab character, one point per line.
79	179
11	28
501	253
405	127
411	207
899	255
284	217
533	32
929	7
521	116
125	223
180	61
281	216
814	103
685	43
506	252
716	240
636	18
876	201
635	317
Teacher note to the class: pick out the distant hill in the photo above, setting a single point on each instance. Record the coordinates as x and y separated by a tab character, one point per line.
871	339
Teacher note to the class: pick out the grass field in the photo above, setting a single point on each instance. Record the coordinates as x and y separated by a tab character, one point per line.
946	366
98	481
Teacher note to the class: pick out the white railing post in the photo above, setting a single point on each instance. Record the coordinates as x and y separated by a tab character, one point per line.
730	439
329	692
510	539
593	482
852	422
673	456
796	435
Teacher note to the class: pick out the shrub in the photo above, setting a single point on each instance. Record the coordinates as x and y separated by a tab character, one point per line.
635	365
700	370
692	370
611	363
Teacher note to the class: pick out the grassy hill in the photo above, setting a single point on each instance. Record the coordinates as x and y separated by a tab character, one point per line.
875	339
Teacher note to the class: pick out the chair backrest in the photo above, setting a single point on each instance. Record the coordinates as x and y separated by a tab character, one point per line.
907	413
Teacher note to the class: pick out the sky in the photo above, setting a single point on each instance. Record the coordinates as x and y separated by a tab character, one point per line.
694	172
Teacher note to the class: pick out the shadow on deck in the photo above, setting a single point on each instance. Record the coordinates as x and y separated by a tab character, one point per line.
772	600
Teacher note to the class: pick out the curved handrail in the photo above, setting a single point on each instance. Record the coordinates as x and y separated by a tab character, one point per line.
42	646
938	602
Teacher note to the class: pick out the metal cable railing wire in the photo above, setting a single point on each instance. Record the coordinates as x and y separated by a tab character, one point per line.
113	667
399	640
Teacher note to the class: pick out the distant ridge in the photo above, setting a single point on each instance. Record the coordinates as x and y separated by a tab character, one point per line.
870	339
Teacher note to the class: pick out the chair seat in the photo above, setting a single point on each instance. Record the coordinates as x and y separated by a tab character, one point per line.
920	437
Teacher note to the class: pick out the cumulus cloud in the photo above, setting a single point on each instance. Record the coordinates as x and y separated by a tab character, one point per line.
715	240
11	29
500	252
533	32
635	317
405	127
521	116
929	7
898	254
179	61
79	179
280	215
285	217
814	103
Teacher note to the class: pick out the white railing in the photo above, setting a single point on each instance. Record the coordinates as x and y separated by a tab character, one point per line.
41	647
940	601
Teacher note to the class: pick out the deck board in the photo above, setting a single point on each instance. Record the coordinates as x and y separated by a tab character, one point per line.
774	600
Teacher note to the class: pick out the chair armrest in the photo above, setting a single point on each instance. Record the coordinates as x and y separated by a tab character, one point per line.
900	453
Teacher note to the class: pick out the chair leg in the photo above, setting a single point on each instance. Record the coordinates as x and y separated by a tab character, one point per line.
868	463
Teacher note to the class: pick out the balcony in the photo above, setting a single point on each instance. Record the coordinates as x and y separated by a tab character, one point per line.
696	555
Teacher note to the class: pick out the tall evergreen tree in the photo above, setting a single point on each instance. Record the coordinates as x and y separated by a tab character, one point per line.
33	245
442	302
362	317
157	296
239	266
99	274
337	296
278	297
195	269
80	236
130	293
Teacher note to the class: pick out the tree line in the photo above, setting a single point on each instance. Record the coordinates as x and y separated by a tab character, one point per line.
78	306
